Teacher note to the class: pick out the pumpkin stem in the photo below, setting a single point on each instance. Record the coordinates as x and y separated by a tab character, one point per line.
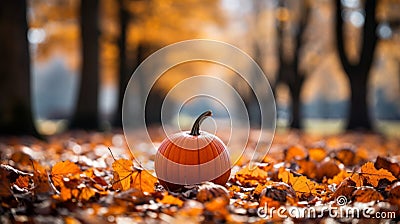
196	126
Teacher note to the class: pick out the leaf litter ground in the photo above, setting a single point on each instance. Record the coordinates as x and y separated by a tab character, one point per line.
84	177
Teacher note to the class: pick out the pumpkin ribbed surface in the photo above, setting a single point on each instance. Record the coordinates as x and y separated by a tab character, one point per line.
193	157
180	161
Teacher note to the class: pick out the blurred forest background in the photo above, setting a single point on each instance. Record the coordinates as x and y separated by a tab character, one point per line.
333	65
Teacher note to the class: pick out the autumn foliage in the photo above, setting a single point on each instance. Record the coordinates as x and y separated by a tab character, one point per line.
76	178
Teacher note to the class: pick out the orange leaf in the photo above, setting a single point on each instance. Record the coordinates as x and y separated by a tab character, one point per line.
317	154
295	152
343	174
22	182
346	156
367	194
171	200
301	184
386	163
40	178
65	194
143	181
86	193
372	175
124	169
63	169
247	175
132	177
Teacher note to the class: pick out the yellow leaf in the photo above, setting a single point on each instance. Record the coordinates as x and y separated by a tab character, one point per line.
143	181
124	169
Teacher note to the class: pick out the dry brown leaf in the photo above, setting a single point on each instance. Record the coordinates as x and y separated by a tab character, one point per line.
40	178
367	194
327	168
386	163
394	191
307	167
278	191
209	191
5	187
21	158
345	188
346	156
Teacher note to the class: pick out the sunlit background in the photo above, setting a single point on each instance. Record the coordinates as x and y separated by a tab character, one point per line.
257	27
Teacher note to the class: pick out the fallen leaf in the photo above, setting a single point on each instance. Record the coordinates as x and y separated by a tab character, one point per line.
346	156
61	170
5	187
367	194
307	167
345	188
301	184
295	152
394	191
124	169
327	168
65	193
21	158
251	176
278	191
338	178
133	177
209	191
143	181
171	200
386	163
370	174
22	182
318	154
40	178
86	193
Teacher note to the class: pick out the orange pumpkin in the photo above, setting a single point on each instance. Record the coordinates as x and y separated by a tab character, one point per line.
189	158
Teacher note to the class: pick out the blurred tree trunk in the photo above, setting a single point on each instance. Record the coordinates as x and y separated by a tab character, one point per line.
156	95
124	72
87	111
358	73
15	107
288	71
